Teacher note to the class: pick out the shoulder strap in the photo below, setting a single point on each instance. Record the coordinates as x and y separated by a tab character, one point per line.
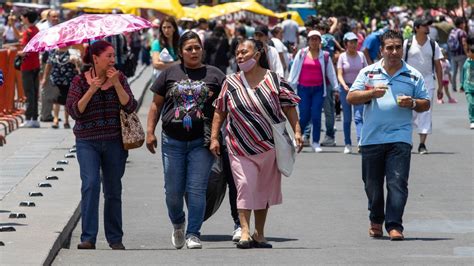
409	41
432	43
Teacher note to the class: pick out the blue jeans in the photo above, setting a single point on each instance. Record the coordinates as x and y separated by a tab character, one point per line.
310	108
457	63
110	157
347	113
186	165
390	161
329	112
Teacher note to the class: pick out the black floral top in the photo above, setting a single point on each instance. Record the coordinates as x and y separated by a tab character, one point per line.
63	71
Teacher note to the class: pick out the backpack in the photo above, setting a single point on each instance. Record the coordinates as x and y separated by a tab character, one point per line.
453	41
433	45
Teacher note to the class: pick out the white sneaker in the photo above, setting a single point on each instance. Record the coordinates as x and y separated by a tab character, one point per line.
35	124
26	124
237	234
177	238
316	147
347	149
472	126
193	242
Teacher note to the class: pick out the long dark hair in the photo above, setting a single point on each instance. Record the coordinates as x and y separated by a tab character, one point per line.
163	39
258	47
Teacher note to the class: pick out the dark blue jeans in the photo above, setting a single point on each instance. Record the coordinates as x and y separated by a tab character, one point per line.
347	116
107	157
310	108
186	166
390	161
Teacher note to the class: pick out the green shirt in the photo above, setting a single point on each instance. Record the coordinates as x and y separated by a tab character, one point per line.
155	47
467	76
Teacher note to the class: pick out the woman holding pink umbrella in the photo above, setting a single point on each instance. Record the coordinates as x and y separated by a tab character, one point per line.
94	101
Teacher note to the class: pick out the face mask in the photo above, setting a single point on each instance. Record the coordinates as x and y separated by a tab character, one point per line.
247	65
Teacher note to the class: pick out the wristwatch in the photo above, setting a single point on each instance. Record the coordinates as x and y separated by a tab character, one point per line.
413	103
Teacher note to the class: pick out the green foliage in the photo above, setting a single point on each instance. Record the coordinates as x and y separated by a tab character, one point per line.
363	8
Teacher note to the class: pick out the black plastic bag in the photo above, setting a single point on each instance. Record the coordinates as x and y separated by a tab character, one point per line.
216	188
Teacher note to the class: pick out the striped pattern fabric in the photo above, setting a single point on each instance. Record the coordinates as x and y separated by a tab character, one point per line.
248	132
101	118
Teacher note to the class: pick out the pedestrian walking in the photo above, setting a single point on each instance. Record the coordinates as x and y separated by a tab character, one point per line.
216	48
467	79
386	137
183	99
312	69
249	136
261	34
95	99
30	68
349	64
290	33
456	42
446	68
60	69
424	55
164	49
49	92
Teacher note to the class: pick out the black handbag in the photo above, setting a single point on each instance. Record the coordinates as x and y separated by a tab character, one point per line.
18	61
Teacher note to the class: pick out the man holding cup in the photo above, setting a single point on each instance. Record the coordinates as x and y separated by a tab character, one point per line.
386	137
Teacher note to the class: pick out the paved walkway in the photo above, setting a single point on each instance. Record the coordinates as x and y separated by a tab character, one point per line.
323	219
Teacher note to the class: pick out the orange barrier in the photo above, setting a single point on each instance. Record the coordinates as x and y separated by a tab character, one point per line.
10	112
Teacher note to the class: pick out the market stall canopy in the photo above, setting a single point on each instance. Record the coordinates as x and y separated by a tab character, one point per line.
294	16
168	7
233	12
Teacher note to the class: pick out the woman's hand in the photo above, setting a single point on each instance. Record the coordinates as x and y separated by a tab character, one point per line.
299	142
151	142
215	147
113	76
95	84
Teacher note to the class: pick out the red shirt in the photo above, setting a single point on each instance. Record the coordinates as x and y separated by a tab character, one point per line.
31	60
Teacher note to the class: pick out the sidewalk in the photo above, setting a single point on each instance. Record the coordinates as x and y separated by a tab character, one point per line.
25	161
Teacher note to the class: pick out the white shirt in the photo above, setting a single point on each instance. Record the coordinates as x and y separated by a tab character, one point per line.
433	33
281	48
419	57
290	29
274	61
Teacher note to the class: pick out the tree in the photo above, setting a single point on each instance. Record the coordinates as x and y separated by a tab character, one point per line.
362	8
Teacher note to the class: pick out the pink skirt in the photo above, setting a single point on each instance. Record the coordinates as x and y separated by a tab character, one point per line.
257	179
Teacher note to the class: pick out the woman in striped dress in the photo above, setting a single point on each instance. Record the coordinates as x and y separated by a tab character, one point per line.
249	136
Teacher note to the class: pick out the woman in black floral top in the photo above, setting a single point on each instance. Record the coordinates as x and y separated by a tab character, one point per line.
61	68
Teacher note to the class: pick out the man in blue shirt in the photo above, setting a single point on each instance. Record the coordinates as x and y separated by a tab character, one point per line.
371	46
391	89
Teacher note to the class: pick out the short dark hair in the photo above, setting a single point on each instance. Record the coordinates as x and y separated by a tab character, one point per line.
391	34
30	15
458	21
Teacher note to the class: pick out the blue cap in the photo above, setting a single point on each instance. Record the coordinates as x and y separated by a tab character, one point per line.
350	36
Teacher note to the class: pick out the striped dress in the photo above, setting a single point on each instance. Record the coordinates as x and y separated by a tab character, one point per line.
248	131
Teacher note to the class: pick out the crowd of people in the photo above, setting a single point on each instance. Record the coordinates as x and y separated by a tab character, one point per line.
220	88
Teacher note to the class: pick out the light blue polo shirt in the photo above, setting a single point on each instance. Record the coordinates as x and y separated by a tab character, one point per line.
384	120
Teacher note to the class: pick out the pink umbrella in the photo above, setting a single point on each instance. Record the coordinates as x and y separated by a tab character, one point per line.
83	29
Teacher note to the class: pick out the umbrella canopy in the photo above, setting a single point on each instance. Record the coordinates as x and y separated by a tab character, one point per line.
84	28
168	7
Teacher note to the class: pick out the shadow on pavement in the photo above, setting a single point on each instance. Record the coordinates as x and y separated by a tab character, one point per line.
222	238
12	224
